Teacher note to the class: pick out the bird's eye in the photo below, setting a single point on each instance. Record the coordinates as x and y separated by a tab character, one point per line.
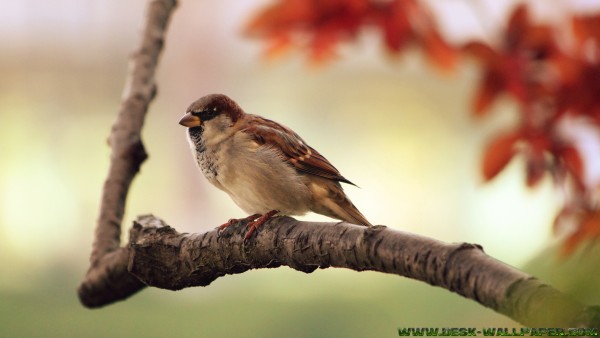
207	114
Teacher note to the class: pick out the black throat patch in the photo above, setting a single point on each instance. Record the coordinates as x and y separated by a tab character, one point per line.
196	137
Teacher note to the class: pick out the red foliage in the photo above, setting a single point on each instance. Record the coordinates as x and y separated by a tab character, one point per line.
321	25
550	78
588	227
571	162
548	82
514	67
498	153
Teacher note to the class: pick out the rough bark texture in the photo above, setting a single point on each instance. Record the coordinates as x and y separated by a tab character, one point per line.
161	257
127	155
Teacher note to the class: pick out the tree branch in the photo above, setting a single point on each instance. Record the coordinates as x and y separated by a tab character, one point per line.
161	257
127	155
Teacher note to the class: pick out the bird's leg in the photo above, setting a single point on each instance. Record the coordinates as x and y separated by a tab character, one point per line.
235	220
253	225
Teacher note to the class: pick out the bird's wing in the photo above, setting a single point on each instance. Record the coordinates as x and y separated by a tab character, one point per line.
302	156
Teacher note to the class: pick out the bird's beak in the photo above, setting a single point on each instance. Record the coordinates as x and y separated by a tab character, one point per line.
189	120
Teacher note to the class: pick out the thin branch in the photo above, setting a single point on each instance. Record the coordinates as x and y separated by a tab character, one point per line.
127	155
161	257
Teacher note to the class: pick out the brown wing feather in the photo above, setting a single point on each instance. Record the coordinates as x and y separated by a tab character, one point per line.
303	157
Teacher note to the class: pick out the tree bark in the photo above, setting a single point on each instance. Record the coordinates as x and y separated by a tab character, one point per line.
161	257
127	155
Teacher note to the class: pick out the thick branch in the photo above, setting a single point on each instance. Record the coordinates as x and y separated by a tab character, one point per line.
127	154
163	258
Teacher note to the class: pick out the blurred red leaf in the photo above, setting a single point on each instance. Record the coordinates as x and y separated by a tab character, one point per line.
493	81
481	51
580	96
536	164
438	51
279	16
569	155
498	153
522	35
589	228
586	28
536	167
516	67
517	24
569	214
396	27
491	86
277	46
323	45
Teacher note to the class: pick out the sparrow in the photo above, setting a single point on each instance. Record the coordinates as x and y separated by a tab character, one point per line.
265	167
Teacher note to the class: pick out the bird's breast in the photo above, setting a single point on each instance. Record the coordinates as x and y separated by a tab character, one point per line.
256	177
206	157
208	163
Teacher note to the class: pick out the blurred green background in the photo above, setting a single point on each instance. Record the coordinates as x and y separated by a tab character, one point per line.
395	126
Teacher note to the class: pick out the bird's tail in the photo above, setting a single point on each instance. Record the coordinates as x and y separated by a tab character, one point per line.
337	205
354	216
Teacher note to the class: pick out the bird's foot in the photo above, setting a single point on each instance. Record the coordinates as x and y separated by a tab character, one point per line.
254	224
232	221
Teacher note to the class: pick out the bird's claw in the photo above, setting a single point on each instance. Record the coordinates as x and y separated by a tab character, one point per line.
253	225
223	226
254	221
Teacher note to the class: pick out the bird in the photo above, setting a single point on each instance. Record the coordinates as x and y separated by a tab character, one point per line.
265	167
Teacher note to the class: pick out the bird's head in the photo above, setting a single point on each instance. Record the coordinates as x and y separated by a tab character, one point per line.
215	111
